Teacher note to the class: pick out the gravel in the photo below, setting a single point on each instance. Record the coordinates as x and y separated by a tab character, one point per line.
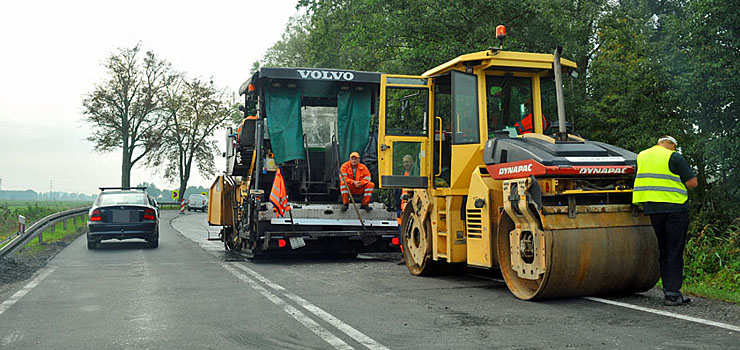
15	270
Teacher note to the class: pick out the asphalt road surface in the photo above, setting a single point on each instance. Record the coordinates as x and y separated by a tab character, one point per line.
189	294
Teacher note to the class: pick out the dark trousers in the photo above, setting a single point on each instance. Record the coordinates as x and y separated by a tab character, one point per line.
671	228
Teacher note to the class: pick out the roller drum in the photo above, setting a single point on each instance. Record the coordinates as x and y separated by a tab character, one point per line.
589	261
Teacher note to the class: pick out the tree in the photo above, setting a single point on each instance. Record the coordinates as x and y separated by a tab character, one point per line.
703	51
628	83
290	50
195	109
126	110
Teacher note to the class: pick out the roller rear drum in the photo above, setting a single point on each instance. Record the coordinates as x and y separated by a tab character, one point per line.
590	261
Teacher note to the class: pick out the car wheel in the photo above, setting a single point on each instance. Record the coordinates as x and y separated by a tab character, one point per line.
154	243
92	245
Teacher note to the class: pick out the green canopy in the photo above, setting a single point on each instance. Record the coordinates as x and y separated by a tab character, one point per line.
353	114
284	123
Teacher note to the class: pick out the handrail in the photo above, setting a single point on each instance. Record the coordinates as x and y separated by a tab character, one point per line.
441	135
22	238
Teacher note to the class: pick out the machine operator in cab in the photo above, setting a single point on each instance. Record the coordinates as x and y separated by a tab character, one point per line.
526	125
510	98
356	179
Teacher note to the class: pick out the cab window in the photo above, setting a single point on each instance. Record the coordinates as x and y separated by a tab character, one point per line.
509	100
406	111
464	108
549	103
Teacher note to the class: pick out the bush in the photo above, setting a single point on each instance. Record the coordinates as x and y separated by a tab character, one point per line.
712	255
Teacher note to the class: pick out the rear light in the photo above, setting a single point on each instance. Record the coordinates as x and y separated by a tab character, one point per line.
394	241
149	214
96	215
281	243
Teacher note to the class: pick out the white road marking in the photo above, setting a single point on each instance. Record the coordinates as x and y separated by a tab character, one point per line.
345	328
645	309
295	313
666	313
259	277
197	236
27	288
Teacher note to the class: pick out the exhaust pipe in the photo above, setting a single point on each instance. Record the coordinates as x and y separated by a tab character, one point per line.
562	132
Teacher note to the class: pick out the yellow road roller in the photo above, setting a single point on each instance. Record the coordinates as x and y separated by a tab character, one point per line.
497	181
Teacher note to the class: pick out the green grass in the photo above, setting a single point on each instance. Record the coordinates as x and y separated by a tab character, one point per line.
711	292
712	261
32	210
698	287
169	207
59	235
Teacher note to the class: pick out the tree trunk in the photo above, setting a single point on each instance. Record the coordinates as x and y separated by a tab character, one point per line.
126	169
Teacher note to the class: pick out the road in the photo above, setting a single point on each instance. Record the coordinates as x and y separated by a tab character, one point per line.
189	294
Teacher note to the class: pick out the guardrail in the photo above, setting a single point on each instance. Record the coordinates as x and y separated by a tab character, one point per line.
20	239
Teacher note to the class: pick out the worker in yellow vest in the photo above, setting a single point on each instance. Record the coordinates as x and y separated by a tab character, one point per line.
663	177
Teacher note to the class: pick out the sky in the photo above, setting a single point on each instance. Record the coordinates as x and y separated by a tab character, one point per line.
51	56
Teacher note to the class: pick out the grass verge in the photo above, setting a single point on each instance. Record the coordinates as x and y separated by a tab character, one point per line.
712	262
60	234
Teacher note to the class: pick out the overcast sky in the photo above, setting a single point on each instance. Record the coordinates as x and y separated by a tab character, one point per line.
51	55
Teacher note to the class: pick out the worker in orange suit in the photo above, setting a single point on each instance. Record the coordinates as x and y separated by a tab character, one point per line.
356	180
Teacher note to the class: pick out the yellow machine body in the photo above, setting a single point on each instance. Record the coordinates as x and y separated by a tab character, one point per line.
549	236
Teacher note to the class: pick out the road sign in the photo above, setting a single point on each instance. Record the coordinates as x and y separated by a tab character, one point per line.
204	193
175	194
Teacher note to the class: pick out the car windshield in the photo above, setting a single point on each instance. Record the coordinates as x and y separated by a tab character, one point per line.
121	198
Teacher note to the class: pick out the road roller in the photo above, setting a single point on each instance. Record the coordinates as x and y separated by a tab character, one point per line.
503	183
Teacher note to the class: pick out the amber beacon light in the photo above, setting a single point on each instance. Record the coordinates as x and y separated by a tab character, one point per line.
501	35
500	32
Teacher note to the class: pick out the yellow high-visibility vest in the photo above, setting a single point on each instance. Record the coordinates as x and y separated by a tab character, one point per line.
654	181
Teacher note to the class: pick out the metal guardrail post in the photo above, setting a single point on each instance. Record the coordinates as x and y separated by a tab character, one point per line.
21	224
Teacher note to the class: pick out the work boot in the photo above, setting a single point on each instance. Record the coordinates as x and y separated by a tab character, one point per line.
676	300
345	206
366	207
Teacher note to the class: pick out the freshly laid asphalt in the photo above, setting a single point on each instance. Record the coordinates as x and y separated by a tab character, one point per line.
190	294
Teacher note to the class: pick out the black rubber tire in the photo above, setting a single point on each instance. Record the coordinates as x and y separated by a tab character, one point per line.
92	245
153	243
428	266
